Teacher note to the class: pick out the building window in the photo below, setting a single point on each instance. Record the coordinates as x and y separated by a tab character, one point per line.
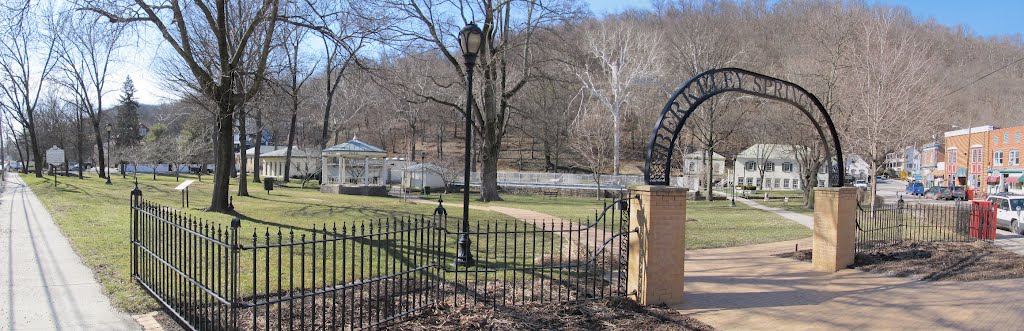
750	165
821	183
785	183
750	181
769	166
1014	157
1006	137
997	158
796	184
693	166
777	180
787	167
995	140
976	160
1018	136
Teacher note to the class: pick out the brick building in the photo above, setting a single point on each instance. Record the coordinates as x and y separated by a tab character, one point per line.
976	155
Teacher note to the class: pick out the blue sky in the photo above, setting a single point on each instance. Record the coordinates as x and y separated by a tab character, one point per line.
984	17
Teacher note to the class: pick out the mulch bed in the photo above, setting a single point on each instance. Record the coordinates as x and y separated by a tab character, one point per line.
604	314
935	261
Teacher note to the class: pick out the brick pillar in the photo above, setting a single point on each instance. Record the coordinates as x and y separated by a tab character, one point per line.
835	228
657	250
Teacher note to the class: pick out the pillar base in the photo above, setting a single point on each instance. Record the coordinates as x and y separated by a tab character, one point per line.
658	248
835	228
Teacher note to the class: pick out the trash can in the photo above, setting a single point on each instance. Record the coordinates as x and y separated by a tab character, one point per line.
268	184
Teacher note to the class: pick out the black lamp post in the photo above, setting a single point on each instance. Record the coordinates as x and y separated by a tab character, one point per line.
470	40
110	144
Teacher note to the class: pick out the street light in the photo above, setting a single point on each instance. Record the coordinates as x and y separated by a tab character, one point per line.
109	146
470	39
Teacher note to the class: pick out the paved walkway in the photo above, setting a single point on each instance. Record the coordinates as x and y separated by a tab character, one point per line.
595	236
745	288
43	283
802	219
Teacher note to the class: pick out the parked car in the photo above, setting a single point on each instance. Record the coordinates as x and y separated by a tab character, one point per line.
932	192
1009	209
953	193
860	183
915	188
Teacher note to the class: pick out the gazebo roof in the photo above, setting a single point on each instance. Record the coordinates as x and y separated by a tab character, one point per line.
355	147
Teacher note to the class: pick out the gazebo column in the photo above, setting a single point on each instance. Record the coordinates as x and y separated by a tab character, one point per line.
366	170
341	171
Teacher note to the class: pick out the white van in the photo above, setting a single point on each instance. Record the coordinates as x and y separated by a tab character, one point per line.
1009	212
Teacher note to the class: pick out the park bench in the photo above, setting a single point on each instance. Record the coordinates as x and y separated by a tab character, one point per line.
550	194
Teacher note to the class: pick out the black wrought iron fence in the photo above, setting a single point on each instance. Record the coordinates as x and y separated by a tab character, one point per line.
890	223
367	274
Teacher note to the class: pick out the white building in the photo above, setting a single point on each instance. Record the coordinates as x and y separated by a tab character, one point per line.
693	164
304	162
780	166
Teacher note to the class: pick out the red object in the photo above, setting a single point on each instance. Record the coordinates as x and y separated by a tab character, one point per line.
983	220
992	179
1013	180
969	194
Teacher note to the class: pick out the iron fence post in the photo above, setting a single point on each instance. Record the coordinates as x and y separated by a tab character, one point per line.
136	197
235	224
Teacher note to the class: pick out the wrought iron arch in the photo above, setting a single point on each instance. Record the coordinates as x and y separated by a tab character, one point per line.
710	83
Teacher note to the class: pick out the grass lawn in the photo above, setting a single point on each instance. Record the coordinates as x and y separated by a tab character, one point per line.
95	217
565	207
794	205
712	224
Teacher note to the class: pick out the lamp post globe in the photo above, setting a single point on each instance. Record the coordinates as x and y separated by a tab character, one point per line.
109	146
470	40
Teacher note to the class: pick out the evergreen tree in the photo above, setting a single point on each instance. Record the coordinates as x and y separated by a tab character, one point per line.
126	129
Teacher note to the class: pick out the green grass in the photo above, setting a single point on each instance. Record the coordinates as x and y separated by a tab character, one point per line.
95	217
714	224
794	205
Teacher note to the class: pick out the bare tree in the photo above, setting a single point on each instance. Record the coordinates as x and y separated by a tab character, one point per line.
216	40
86	49
28	57
505	62
893	99
592	143
619	61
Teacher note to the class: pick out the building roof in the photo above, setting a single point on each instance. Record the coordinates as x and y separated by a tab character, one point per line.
767	151
264	149
355	146
296	152
699	155
978	129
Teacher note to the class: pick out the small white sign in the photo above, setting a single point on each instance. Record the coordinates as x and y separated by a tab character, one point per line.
184	185
55	156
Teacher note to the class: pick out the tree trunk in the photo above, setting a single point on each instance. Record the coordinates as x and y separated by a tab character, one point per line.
222	158
616	138
80	142
36	154
101	161
291	141
243	189
489	176
709	169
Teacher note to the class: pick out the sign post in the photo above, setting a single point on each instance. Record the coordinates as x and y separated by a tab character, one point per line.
183	188
54	157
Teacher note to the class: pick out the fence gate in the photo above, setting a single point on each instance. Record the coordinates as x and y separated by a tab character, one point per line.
367	274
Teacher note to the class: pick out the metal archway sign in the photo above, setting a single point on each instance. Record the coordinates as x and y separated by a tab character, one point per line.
710	83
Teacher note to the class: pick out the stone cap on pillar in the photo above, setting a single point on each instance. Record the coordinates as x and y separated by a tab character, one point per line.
658	188
845	190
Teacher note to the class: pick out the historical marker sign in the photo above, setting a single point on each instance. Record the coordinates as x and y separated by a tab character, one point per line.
54	156
184	185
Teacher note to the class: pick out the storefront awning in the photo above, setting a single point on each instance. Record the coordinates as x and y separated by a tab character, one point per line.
962	172
1013	179
992	179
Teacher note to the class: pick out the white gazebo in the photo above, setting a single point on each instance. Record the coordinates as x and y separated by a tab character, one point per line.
354	167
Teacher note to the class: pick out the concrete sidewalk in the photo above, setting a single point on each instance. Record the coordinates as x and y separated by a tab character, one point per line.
43	283
746	288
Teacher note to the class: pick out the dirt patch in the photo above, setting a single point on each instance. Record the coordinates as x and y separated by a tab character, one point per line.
605	314
935	261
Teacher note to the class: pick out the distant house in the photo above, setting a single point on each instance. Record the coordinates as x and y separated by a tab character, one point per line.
781	169
304	163
249	159
694	164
